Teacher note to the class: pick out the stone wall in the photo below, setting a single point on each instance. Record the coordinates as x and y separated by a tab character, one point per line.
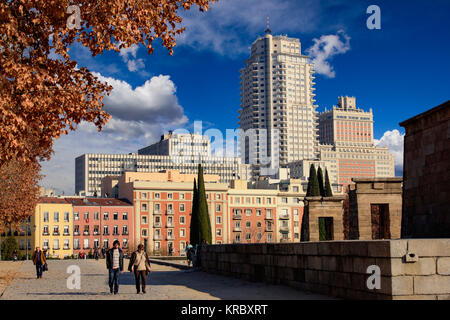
426	173
375	191
339	268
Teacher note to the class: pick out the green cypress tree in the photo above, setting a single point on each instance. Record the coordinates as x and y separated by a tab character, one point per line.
328	190
313	183
194	228
321	184
205	222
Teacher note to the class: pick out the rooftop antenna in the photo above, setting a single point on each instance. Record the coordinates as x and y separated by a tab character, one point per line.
268	31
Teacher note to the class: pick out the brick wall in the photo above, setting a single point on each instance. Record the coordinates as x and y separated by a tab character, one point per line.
339	268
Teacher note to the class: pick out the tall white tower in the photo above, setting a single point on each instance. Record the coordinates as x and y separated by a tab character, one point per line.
277	97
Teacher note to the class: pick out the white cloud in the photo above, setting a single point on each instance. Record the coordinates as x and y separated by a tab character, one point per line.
139	117
230	26
394	141
132	64
323	50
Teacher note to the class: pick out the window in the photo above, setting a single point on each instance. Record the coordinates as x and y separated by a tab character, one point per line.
76	241
182	207
56	230
125	230
258	200
45	216
182	219
157	207
115	230
284	200
218	232
144	219
237	238
248	212
169	196
258	212
56	244
269	237
169	208
76	216
295	212
115	216
157	195
295	189
105	243
144	207
182	233
55	216
248	224
66	230
125	216
170	221
218	220
248	236
66	244
105	215
105	230
125	243
218	208
237	200
144	195
96	216
269	200
182	196
66	217
247	200
144	232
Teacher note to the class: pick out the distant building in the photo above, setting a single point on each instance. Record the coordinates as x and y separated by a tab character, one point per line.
182	152
426	174
277	94
346	138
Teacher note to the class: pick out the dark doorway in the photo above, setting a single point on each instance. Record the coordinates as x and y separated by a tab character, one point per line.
325	228
380	221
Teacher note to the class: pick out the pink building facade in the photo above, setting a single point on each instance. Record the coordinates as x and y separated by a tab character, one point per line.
98	222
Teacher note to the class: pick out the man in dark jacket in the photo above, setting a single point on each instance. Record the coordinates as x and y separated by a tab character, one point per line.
114	263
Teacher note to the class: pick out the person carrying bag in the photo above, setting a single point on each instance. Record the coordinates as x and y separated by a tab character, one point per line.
140	266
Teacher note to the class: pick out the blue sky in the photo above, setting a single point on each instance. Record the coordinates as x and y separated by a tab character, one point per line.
398	71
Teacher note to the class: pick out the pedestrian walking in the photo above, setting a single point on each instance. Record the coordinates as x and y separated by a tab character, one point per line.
140	266
114	263
39	261
189	253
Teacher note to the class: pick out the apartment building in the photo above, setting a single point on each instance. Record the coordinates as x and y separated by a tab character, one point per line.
346	139
173	152
277	103
98	222
162	207
52	224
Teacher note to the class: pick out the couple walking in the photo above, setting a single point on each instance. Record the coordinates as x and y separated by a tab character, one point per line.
139	265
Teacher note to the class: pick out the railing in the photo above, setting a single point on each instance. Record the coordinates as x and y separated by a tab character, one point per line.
46	233
55	233
125	233
169	225
106	233
66	234
157	212
284	216
269	217
157	225
86	233
76	233
169	211
237	216
284	229
66	248
237	229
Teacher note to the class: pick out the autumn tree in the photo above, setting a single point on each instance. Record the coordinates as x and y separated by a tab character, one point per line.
43	92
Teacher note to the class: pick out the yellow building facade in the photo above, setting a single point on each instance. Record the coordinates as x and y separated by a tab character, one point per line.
53	225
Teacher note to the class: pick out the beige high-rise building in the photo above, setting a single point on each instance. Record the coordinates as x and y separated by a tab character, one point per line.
277	102
346	137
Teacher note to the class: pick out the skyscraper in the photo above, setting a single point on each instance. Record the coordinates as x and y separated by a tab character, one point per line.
277	104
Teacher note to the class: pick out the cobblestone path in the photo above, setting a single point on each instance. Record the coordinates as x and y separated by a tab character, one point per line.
164	283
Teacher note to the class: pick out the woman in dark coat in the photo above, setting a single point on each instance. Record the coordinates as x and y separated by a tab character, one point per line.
39	261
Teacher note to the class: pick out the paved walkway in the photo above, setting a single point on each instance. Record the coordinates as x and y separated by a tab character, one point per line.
164	283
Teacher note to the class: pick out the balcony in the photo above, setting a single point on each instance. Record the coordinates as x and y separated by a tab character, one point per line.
169	225
284	217
45	233
56	233
237	229
237	216
169	212
268	217
76	233
157	225
96	233
157	212
66	234
106	233
125	233
284	229
66	248
85	233
269	229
